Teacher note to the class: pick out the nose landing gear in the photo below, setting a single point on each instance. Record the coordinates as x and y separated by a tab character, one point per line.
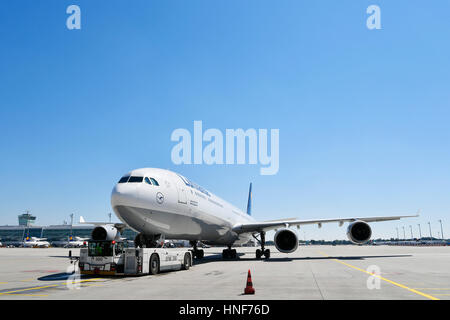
198	253
229	253
148	241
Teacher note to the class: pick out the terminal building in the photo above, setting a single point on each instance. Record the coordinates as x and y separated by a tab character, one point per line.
53	233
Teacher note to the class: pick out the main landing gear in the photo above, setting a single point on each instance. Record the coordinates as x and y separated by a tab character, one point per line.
229	253
198	253
262	241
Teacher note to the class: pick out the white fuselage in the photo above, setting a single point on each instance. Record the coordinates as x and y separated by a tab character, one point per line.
176	209
36	242
76	242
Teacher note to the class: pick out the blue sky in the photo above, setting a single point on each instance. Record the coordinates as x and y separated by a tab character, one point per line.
363	114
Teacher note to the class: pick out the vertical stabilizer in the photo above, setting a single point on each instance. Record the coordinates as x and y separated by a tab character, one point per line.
249	203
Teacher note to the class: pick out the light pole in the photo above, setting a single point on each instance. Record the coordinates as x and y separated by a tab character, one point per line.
429	225
397	232
109	214
71	228
28	225
420	231
410	228
442	232
404	234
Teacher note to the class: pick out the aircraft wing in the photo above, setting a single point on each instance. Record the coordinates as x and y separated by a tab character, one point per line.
119	226
270	225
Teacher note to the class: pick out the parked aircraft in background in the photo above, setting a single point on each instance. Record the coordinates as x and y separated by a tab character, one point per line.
31	242
76	242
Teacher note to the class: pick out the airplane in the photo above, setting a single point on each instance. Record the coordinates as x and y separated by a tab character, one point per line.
161	204
31	242
71	242
76	242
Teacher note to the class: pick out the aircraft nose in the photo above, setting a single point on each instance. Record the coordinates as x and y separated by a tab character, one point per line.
124	195
126	203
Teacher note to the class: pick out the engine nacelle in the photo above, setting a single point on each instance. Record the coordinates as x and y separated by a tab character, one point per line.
105	232
359	232
286	240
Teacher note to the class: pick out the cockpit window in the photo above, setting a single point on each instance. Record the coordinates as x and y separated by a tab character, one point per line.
151	181
135	179
124	179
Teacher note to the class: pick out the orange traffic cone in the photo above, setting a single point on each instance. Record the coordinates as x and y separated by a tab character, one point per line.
249	288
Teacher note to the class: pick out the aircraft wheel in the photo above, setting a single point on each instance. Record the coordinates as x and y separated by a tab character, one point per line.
233	254
258	253
199	254
138	241
154	264
267	253
186	261
226	254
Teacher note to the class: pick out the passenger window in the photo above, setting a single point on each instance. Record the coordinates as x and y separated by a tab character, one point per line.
135	179
155	182
124	179
148	180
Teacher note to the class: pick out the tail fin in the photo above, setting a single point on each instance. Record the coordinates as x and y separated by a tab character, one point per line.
249	203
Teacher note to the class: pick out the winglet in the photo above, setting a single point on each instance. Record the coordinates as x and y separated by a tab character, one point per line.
249	203
82	220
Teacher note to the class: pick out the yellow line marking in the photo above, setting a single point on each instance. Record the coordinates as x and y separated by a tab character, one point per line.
387	280
433	288
3	282
92	285
28	289
26	294
49	286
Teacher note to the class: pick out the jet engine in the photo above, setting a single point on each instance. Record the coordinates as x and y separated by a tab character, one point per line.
104	232
359	232
286	240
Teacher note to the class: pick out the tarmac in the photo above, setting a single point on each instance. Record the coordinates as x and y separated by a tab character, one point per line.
310	273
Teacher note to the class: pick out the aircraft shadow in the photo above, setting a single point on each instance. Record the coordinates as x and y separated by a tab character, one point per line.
218	257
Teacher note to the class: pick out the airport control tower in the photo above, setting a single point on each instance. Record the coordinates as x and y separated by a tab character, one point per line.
26	219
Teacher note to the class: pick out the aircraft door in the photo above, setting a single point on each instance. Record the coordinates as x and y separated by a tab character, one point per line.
182	192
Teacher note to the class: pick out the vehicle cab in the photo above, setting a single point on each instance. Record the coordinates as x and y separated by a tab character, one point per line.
103	257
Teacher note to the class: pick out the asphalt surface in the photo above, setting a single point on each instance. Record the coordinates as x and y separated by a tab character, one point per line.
312	272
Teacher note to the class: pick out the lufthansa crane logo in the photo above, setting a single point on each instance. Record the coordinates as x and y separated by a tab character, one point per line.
159	198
